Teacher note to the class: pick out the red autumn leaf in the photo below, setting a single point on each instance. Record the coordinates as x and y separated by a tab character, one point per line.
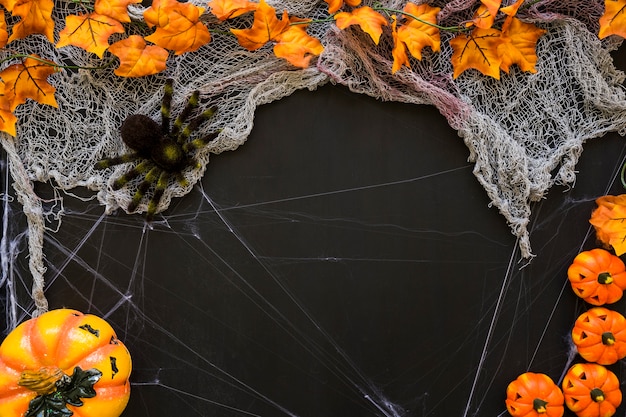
613	21
477	50
29	80
137	59
36	18
228	9
7	118
419	33
368	19
90	32
398	52
297	46
178	26
116	9
519	44
335	5
266	27
609	221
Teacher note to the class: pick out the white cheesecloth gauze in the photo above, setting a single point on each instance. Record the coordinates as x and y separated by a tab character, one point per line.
524	132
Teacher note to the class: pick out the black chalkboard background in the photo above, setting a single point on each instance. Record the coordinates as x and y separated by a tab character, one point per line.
343	262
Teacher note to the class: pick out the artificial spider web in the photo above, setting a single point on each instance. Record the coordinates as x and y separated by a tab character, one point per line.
163	151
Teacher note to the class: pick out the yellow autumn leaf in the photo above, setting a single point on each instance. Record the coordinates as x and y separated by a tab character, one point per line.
229	9
265	27
116	9
138	59
368	19
519	44
90	32
419	31
477	50
297	46
36	18
29	80
178	26
613	20
609	221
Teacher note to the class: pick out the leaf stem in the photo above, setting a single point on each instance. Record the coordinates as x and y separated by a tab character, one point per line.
53	64
412	16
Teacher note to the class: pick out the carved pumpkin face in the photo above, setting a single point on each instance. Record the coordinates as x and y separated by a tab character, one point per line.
534	395
597	276
64	354
600	336
591	390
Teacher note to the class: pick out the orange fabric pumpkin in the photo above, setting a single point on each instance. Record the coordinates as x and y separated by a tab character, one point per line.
597	276
534	395
591	390
61	347
600	335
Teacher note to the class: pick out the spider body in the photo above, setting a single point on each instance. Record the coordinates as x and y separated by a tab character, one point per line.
162	151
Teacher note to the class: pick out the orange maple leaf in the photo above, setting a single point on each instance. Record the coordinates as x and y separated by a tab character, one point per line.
36	17
137	58
477	50
486	13
228	9
609	221
117	9
178	26
418	34
335	5
519	45
29	79
613	21
398	52
512	9
90	32
266	27
368	19
7	118
4	34
297	46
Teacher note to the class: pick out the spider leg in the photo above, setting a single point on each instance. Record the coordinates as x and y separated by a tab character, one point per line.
132	174
159	189
184	114
194	124
122	159
166	104
150	178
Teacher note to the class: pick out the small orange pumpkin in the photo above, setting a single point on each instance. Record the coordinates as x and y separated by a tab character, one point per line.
534	395
597	276
591	390
63	355
600	335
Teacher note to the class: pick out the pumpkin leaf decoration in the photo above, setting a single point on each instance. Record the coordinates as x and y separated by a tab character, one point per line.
609	221
591	390
69	390
597	276
534	395
600	335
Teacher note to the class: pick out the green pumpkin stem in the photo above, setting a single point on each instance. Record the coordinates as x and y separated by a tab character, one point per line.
605	278
540	405
608	339
597	395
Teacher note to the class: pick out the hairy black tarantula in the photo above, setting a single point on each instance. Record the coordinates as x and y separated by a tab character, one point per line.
163	152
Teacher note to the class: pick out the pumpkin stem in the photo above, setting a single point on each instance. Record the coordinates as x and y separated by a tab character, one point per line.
597	395
43	381
605	278
608	339
540	405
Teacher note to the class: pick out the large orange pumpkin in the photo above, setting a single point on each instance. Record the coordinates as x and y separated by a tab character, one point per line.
64	354
600	335
534	395
591	390
597	276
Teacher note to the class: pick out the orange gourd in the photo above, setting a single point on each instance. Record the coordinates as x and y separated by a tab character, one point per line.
64	362
534	395
600	335
591	390
597	276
